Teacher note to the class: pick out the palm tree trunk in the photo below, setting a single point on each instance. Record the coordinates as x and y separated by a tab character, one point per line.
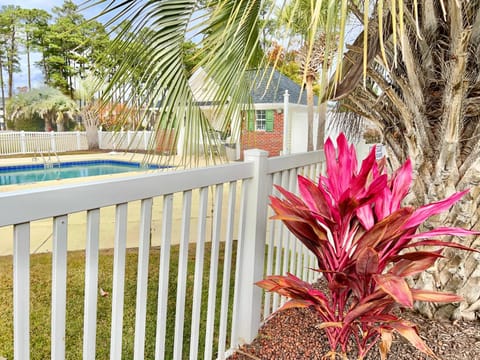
309	86
322	120
59	122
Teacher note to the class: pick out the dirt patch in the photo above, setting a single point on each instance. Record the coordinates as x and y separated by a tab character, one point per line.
294	334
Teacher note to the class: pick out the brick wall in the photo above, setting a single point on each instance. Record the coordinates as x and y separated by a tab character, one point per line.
264	140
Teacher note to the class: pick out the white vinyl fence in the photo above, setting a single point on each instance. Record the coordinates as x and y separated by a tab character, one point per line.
32	142
224	207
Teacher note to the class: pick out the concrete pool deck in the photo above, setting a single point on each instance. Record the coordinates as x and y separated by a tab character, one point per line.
42	230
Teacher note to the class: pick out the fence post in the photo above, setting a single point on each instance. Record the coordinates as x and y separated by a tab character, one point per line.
23	145
129	138
53	146
78	141
252	249
100	143
145	140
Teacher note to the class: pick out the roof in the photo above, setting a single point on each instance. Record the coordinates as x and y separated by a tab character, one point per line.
276	88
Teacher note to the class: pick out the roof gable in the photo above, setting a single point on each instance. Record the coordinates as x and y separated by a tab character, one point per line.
277	84
276	88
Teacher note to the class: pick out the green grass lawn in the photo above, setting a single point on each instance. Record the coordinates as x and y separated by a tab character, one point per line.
41	303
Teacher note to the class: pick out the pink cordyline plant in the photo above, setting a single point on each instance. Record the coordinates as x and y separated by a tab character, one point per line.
366	244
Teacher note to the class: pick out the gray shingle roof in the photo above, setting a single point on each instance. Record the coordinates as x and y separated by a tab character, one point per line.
278	84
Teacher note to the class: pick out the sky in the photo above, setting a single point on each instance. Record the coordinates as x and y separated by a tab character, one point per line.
20	79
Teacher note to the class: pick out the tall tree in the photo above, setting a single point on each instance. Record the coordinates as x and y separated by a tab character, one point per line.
422	96
10	24
35	22
70	47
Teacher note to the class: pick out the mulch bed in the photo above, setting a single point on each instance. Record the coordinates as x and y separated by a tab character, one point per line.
293	334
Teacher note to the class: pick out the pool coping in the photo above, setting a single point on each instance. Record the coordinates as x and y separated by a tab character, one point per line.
66	164
112	156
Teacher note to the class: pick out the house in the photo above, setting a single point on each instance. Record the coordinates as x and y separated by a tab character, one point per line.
278	122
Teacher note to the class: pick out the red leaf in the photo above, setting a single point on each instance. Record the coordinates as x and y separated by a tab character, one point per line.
296	303
396	287
385	343
434	296
409	332
417	255
388	229
367	262
365	308
411	267
431	242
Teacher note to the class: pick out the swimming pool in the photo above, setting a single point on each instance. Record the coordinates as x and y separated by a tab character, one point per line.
24	174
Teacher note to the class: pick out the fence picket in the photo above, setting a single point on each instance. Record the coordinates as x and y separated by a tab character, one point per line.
21	291
182	275
227	264
59	286
142	278
198	277
163	277
212	285
118	281
91	284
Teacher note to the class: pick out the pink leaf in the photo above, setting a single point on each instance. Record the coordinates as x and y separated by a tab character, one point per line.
455	231
424	212
313	197
365	216
401	185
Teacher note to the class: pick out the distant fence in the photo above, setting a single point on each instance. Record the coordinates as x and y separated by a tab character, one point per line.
31	142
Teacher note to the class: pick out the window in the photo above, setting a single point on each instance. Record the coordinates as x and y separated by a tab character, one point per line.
260	120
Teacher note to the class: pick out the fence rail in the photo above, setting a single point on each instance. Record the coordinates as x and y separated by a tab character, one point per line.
225	207
31	142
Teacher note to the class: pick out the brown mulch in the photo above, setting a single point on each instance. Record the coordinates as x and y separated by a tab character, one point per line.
293	334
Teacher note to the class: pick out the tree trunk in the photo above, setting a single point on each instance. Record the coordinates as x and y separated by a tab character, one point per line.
60	122
92	137
309	87
322	120
4	126
29	70
10	64
91	122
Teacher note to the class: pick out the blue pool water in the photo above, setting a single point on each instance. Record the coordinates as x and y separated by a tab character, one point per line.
22	174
